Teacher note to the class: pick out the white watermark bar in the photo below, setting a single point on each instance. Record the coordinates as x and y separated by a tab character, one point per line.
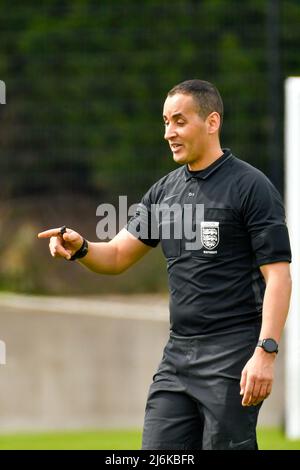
2	353
2	92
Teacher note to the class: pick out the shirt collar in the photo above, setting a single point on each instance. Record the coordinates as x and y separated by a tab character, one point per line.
206	172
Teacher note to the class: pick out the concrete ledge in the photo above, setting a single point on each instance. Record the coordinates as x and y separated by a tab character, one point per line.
86	362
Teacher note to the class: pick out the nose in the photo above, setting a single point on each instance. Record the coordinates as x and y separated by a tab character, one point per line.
169	132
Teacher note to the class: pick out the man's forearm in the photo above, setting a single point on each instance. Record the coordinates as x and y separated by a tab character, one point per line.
258	374
275	306
115	256
101	258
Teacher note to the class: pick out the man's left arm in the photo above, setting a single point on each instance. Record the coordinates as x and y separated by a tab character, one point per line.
258	373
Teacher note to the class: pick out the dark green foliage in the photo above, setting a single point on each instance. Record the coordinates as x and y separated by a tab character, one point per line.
86	82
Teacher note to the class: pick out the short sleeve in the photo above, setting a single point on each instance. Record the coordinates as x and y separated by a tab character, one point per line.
264	217
143	225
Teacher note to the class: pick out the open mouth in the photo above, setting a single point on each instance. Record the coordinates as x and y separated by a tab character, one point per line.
176	147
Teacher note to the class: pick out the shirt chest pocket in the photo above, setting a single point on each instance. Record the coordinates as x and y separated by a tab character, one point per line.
170	233
214	234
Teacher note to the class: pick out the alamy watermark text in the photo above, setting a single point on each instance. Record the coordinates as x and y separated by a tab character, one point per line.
159	222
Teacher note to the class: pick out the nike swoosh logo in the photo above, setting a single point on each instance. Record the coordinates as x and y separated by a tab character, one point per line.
170	197
237	445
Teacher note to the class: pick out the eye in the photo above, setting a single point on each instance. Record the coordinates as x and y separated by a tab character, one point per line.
180	122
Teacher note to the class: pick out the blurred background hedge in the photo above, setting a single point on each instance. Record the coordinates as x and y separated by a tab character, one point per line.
86	81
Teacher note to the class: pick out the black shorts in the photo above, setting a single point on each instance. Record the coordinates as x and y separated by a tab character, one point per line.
194	401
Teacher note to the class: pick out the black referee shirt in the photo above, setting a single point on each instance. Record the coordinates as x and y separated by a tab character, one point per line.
216	227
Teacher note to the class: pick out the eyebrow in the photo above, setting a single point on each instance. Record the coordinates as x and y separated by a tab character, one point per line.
174	115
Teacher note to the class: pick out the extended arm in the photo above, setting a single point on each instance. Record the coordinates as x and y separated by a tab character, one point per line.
116	256
111	257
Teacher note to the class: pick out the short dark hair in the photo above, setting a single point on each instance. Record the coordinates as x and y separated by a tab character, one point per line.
205	94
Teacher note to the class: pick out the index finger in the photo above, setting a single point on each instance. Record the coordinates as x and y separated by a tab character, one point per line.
53	232
248	392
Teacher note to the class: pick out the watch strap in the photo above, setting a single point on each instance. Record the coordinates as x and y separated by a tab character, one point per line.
83	251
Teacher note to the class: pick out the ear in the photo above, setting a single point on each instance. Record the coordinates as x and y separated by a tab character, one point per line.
213	122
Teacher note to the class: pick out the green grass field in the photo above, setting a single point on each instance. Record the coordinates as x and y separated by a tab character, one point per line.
269	439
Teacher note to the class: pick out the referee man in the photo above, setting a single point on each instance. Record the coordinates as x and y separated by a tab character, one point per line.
229	280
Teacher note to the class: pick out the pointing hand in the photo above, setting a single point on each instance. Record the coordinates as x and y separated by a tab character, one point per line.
64	242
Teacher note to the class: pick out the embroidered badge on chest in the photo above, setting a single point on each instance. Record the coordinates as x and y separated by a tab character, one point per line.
210	234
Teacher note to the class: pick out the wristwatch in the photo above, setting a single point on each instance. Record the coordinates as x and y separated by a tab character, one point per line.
268	344
83	250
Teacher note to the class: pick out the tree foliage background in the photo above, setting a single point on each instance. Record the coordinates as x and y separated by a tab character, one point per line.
86	81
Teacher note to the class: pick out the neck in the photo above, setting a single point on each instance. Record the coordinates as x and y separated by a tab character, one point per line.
207	159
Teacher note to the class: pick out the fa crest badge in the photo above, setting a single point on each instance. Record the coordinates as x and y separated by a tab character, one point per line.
210	235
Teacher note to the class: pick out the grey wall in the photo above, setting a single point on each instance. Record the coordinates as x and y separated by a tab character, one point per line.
75	363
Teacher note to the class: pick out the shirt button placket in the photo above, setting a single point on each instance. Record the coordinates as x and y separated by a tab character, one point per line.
191	192
190	201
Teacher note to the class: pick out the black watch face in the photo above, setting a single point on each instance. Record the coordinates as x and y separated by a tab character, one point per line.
270	345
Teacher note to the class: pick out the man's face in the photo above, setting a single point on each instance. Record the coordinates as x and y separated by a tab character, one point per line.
185	130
